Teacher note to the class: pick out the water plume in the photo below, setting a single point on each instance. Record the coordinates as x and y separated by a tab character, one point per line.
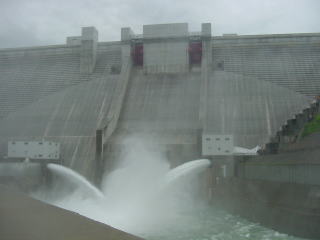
76	179
134	197
186	170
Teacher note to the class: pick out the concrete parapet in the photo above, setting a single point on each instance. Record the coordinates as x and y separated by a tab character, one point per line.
88	53
165	30
266	39
38	51
74	41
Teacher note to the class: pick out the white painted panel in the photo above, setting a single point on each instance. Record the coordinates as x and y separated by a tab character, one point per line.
217	145
34	150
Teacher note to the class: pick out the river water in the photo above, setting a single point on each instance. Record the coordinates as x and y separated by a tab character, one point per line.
210	223
132	200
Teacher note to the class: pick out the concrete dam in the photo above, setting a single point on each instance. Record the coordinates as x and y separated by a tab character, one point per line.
188	95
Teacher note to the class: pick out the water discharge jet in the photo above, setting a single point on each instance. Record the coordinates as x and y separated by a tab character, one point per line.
76	179
136	198
186	169
149	216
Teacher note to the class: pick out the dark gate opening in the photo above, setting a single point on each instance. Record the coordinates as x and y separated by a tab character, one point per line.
137	54
195	52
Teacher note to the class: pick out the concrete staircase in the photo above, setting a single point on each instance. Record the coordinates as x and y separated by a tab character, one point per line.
28	78
295	66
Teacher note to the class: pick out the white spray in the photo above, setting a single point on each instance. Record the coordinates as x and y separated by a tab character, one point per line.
137	198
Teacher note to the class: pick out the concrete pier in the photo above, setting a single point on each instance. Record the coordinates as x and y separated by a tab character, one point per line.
88	52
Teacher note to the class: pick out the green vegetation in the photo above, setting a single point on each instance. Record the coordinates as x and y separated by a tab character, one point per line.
311	127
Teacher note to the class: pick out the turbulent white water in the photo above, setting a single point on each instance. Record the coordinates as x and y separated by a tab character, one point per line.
137	199
133	199
246	151
186	170
211	223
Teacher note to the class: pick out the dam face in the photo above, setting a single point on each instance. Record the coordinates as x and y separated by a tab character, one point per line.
168	82
190	95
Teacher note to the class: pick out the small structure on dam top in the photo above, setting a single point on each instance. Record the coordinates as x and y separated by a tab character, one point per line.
173	87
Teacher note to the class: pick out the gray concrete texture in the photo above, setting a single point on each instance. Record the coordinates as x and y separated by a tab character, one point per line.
292	61
263	82
69	113
298	163
165	54
250	109
24	218
88	53
165	30
28	75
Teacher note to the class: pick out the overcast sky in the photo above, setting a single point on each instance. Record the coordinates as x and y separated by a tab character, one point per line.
43	22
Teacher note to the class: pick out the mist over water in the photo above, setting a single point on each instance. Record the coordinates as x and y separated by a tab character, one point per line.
143	197
140	195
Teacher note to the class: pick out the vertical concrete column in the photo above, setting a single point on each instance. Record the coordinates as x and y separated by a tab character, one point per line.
88	52
206	64
121	88
126	34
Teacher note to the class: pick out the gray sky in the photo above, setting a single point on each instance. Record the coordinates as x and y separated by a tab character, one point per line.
43	22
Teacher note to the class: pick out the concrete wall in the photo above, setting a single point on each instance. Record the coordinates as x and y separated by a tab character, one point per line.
23	217
165	30
74	41
25	177
301	167
206	70
165	48
285	207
